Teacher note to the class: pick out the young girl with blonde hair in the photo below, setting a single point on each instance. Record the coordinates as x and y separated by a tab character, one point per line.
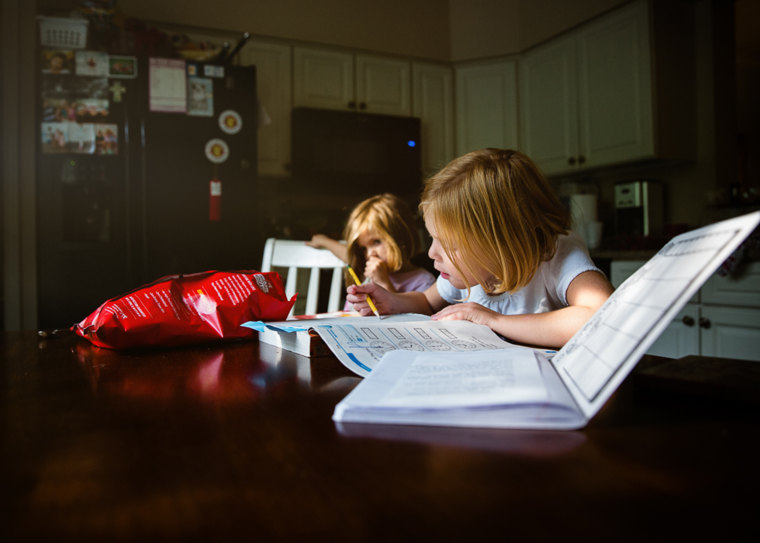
380	241
501	241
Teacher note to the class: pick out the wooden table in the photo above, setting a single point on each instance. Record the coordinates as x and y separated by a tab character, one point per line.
236	442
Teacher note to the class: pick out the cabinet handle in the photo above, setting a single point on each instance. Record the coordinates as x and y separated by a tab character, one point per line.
362	105
704	323
581	159
352	104
571	161
687	320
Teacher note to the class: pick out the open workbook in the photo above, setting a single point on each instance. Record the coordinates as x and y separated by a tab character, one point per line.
517	387
361	342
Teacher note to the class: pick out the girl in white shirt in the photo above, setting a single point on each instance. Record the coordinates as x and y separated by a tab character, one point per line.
501	242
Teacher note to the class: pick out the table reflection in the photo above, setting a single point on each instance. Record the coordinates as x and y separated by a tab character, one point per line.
247	371
231	372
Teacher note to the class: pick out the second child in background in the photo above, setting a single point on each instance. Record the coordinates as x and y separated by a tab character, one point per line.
380	241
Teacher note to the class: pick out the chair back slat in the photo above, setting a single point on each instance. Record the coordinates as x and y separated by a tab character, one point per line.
336	290
296	255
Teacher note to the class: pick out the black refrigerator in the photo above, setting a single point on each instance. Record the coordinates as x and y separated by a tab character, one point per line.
146	168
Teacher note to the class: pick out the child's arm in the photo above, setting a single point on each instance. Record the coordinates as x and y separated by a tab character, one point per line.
586	293
394	302
320	241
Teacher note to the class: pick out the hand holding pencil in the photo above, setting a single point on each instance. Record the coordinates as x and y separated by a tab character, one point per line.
369	300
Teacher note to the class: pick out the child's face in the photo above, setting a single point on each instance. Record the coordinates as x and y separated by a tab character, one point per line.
443	263
374	246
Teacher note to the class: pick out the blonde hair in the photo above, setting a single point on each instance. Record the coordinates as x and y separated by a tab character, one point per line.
392	221
497	211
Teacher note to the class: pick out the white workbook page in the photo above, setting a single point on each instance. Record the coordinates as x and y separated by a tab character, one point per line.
360	343
427	380
511	387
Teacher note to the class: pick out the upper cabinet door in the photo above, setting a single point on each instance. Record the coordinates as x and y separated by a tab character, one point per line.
433	103
273	81
615	88
323	78
586	99
383	85
486	106
549	105
330	79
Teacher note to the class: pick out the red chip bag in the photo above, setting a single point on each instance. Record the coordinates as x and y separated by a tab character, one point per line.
186	309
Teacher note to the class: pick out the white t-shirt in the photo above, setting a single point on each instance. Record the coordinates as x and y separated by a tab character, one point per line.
547	290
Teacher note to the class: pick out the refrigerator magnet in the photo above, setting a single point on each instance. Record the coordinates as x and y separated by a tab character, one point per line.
91	63
57	61
217	150
117	90
122	67
230	121
200	96
215	200
210	70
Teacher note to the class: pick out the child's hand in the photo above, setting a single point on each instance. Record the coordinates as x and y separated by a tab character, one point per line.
356	295
319	241
377	271
468	311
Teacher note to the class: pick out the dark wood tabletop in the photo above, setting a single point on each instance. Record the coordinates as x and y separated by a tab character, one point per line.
235	442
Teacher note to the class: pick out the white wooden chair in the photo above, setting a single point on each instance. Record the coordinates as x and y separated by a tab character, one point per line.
295	255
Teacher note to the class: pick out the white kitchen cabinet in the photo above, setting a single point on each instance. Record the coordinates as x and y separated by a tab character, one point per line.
722	319
273	81
730	319
383	85
743	290
549	105
486	105
323	78
433	103
590	98
681	337
730	332
333	79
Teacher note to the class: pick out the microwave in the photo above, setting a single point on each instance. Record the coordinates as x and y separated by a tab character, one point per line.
355	154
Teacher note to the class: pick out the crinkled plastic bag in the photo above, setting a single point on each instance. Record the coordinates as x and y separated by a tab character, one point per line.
186	309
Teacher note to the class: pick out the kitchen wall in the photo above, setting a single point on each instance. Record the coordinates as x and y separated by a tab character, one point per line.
417	28
489	28
444	30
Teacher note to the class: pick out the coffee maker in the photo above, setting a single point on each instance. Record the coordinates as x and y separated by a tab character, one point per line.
639	208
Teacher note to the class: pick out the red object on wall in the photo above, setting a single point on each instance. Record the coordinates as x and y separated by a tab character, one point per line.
215	200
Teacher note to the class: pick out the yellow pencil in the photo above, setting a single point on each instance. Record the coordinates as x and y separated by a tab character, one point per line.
369	300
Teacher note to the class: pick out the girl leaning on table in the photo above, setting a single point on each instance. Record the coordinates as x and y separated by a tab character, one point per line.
501	241
381	239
